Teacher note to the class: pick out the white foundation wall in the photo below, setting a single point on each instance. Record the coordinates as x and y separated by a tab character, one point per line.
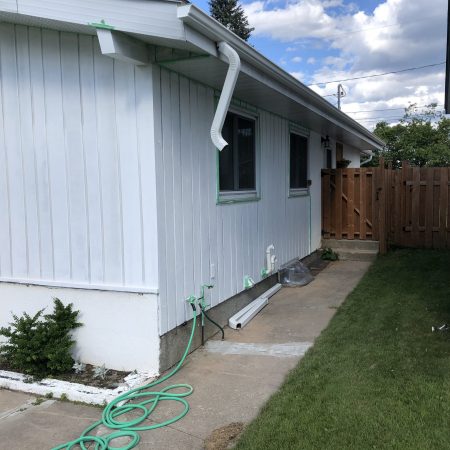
77	164
201	242
119	329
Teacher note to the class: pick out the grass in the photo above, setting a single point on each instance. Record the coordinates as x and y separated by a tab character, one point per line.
377	377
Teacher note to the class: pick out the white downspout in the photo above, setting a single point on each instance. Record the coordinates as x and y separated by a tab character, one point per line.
227	92
270	263
370	153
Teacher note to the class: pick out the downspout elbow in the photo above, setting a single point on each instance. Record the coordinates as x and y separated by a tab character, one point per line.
370	153
227	93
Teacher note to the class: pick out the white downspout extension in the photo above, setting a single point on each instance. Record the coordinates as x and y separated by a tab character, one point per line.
226	95
270	259
370	153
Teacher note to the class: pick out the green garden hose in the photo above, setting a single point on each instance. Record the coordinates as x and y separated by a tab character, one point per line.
149	400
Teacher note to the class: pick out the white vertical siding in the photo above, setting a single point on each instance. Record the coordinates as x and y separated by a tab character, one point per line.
77	163
353	155
195	233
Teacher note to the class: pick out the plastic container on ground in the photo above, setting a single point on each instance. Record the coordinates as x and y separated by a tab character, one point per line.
294	274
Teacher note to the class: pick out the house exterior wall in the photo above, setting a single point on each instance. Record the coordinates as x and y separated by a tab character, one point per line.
201	242
77	191
76	158
119	329
353	155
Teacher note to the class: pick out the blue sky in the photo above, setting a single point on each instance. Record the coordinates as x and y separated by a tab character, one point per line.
326	40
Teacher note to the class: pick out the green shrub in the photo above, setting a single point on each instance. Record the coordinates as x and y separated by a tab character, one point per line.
328	254
40	345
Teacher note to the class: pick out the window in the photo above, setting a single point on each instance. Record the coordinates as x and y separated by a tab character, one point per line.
237	161
298	162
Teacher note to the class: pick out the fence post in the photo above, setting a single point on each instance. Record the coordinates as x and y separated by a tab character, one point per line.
381	205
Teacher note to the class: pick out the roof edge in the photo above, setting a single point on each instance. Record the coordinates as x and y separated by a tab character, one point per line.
211	28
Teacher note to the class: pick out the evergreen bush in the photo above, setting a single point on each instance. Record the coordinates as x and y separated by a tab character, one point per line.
40	345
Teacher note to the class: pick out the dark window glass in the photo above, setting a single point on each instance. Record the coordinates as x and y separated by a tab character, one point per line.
226	157
237	159
299	162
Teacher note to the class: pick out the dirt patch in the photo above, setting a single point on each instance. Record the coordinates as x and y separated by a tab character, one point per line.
113	378
225	437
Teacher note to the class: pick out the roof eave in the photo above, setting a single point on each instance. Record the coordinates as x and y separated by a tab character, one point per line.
199	20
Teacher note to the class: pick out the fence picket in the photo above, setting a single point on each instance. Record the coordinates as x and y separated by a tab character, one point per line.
350	203
407	207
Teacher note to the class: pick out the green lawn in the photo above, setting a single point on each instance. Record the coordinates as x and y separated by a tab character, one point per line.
377	377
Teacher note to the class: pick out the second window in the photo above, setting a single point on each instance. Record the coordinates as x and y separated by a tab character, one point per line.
298	162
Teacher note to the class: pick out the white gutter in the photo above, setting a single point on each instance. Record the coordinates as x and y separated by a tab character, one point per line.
206	25
227	93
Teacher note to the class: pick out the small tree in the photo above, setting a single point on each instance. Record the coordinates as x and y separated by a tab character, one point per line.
232	15
40	345
422	139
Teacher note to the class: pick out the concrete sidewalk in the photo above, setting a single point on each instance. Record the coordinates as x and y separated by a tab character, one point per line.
232	379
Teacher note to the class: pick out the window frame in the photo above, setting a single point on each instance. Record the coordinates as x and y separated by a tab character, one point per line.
299	192
250	195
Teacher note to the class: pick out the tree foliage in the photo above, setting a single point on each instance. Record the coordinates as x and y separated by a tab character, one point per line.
40	345
422	139
231	14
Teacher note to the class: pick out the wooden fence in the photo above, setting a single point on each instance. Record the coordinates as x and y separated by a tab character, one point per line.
409	207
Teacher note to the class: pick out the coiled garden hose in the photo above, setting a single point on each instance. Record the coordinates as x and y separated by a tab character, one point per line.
148	401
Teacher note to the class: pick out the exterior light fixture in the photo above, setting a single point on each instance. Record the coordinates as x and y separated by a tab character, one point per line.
327	149
325	142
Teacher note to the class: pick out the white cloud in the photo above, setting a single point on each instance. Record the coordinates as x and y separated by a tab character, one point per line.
398	34
304	18
299	75
297	59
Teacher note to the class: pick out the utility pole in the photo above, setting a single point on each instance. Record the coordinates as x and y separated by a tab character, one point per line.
341	92
447	72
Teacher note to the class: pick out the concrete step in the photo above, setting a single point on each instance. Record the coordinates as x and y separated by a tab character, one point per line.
354	244
356	255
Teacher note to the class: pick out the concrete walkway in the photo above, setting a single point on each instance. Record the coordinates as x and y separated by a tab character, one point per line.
232	379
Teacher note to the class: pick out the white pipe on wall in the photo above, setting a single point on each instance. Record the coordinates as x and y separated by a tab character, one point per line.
370	153
226	95
270	263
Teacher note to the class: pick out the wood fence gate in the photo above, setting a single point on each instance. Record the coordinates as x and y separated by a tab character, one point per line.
408	207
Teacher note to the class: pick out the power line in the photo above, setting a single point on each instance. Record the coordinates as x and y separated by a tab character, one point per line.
387	109
370	119
379	74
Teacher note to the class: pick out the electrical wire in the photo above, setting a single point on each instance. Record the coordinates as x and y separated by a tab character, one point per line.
379	74
386	109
